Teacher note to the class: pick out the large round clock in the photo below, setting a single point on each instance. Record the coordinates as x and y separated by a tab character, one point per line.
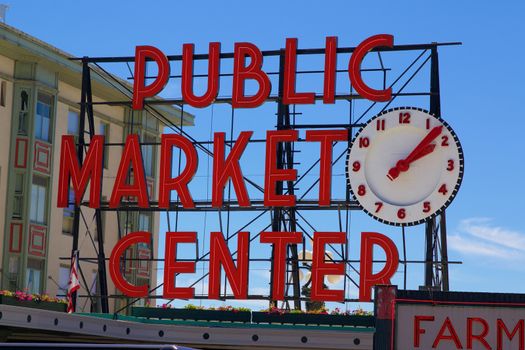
404	166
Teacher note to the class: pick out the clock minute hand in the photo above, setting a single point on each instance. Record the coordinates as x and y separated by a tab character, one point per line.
422	149
427	150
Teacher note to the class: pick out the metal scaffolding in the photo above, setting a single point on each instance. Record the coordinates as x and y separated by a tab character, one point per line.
280	218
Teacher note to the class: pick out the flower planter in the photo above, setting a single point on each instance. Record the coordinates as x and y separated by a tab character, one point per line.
313	319
44	305
191	314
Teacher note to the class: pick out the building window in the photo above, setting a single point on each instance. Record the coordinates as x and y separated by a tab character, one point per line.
144	225
12	276
95	290
149	122
73	122
38	200
104	130
23	113
144	222
18	203
142	281
34	276
43	117
3	90
69	213
148	155
126	221
63	281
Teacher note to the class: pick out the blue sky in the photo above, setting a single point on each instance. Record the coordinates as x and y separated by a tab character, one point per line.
481	86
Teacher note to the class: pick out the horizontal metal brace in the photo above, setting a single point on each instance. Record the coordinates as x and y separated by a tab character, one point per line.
273	98
229	205
265	53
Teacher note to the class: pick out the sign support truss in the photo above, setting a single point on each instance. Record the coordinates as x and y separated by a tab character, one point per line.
281	219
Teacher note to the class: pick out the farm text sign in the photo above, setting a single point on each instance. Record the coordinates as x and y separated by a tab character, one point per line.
452	327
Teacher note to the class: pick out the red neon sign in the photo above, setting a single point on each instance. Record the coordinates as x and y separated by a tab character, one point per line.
237	276
254	71
226	168
223	170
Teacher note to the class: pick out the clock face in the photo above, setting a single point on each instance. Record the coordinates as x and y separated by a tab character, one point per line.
404	166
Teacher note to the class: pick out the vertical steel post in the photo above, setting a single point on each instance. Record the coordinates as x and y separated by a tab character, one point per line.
101	257
288	156
444	252
80	155
276	213
86	108
285	157
429	256
433	242
435	98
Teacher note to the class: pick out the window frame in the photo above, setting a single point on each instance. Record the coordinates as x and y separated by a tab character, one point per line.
34	214
68	213
40	269
149	164
69	132
23	112
39	127
63	288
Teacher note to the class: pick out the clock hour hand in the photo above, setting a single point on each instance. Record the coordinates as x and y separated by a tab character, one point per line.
402	165
422	149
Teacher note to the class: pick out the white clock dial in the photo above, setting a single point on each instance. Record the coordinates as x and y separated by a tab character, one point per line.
405	166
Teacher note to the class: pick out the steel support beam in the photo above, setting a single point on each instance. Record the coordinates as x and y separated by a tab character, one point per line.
436	255
285	159
86	110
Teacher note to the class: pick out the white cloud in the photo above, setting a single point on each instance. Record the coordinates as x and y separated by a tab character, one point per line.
469	246
480	237
482	228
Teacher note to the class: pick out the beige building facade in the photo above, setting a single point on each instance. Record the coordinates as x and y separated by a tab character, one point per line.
39	102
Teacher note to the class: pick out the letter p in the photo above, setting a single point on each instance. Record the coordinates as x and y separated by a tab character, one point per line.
140	90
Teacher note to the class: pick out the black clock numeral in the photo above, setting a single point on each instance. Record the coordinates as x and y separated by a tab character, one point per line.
364	142
428	123
444	141
356	166
443	189
426	207
361	190
401	213
380	125
404	118
379	205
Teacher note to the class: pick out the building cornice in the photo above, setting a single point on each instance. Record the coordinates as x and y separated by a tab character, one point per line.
21	46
